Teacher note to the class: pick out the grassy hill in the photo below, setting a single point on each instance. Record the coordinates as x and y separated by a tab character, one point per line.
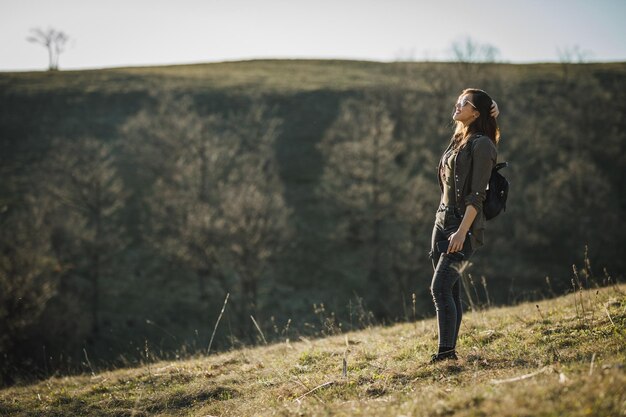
563	133
564	356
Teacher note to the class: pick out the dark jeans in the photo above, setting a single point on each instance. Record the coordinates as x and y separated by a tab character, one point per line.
446	284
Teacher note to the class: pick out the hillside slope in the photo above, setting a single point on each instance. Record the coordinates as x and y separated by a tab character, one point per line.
558	357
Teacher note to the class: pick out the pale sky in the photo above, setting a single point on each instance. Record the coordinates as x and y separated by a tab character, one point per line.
116	33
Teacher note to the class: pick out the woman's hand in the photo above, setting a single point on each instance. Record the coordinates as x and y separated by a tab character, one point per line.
456	241
494	109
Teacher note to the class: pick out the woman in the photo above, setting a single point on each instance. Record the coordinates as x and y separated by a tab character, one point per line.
464	172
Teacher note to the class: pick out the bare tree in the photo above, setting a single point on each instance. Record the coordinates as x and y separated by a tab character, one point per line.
472	58
216	203
362	177
254	215
54	40
468	50
83	179
26	276
571	55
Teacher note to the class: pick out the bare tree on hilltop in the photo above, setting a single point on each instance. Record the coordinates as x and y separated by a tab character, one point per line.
469	50
54	40
472	56
569	55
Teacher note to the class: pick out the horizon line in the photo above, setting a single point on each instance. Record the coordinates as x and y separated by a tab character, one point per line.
242	60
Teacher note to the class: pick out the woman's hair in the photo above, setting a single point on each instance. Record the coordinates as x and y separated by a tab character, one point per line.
485	123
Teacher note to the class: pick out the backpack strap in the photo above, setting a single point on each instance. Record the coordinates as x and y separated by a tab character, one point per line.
500	165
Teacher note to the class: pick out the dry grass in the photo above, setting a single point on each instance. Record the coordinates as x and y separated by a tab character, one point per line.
559	357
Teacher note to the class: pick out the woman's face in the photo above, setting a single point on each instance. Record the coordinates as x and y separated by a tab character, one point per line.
464	110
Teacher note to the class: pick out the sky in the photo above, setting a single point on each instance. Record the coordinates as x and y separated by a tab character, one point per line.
116	33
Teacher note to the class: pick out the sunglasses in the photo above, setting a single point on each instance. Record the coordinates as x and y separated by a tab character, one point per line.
462	103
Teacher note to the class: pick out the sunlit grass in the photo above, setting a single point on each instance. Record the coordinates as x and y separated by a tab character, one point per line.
547	358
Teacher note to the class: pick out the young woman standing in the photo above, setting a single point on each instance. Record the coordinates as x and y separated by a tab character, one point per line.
464	172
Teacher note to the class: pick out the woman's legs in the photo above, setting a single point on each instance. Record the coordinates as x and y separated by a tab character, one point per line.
445	289
456	294
446	286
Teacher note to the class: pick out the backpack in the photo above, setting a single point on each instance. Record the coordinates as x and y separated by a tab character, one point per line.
497	192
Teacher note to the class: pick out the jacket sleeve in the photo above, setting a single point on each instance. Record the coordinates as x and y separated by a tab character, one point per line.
484	156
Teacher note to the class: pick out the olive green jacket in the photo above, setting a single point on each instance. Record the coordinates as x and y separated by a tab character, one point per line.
472	170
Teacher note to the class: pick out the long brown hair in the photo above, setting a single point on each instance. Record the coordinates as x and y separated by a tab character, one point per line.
485	123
